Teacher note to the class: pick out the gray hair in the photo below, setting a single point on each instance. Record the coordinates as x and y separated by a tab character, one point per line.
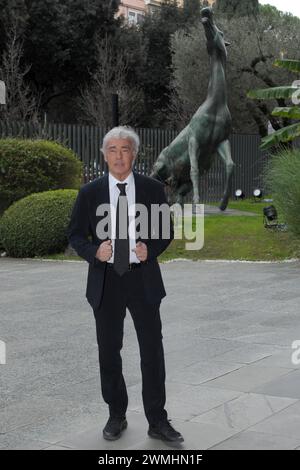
122	132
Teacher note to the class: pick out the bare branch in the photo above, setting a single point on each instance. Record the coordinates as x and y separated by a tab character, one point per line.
21	104
109	77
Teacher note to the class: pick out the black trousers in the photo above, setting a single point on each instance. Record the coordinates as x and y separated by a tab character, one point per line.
120	292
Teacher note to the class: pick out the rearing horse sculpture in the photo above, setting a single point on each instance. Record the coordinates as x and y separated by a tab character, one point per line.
191	153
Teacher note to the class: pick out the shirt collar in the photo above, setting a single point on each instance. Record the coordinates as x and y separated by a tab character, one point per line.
113	181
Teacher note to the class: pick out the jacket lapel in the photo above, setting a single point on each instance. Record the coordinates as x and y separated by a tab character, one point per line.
103	194
140	193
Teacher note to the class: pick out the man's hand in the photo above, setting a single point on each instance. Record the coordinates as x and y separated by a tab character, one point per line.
141	251
104	251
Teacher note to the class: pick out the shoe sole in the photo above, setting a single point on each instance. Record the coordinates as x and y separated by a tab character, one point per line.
159	436
114	438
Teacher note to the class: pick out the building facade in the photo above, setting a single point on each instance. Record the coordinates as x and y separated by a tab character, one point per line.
134	10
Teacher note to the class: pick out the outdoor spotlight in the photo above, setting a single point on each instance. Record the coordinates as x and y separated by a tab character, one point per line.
257	193
270	220
270	213
239	194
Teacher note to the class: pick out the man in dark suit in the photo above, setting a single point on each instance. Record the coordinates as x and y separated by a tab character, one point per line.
124	273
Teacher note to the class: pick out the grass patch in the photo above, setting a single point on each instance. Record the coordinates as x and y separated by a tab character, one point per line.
237	237
232	238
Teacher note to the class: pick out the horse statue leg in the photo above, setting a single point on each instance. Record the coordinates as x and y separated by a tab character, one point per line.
182	190
224	152
194	171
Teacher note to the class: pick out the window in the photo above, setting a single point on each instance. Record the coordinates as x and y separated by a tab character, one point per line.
140	18
135	17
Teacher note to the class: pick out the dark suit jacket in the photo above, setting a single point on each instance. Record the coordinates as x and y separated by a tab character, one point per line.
83	238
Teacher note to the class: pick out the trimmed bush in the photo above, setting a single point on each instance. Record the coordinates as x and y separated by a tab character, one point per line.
36	225
31	166
283	180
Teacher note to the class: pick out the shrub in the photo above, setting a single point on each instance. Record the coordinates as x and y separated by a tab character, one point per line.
32	166
36	225
283	180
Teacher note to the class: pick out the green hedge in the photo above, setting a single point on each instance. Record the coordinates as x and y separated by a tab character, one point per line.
283	180
36	225
31	166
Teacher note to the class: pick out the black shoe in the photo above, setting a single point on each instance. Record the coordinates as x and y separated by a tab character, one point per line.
114	427
164	431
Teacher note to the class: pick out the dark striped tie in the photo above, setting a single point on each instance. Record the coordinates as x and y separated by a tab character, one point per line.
121	255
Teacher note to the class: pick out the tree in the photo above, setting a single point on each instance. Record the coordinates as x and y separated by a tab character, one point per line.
154	76
292	131
109	77
191	11
237	8
155	72
255	43
12	10
21	103
61	44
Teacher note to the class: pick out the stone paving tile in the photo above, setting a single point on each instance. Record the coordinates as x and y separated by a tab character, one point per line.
249	377
28	411
286	386
281	358
196	435
251	440
253	353
184	401
15	440
244	411
201	372
58	448
228	330
285	423
74	418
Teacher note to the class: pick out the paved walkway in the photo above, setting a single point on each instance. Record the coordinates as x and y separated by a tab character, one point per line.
214	210
228	330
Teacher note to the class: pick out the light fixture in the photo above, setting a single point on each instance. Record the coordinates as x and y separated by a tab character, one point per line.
239	194
270	214
270	219
257	194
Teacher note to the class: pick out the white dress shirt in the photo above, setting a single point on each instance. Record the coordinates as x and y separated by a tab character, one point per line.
114	193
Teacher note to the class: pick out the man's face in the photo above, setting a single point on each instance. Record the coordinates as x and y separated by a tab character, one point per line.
119	157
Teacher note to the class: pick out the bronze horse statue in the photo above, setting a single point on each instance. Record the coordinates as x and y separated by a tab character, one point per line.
191	153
